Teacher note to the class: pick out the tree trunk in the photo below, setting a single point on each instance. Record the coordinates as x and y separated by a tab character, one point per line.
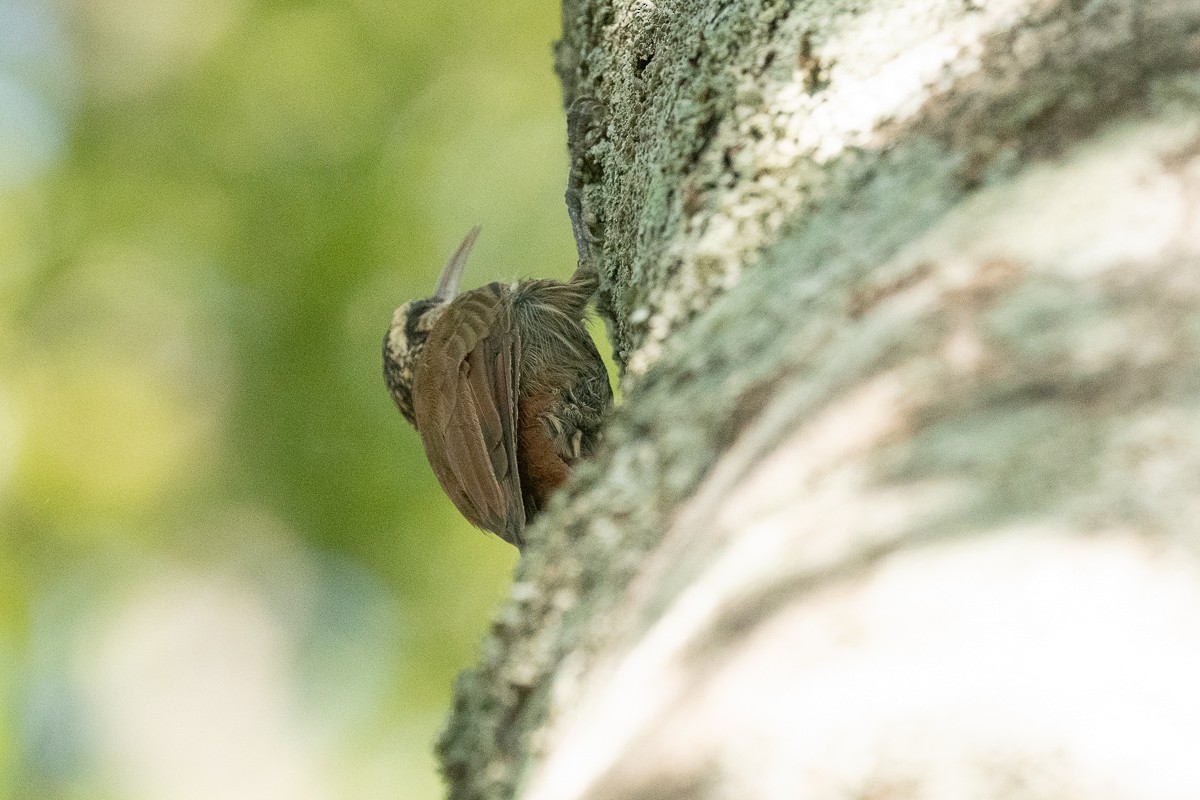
903	500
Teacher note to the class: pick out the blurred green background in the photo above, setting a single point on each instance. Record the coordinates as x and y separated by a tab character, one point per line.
225	568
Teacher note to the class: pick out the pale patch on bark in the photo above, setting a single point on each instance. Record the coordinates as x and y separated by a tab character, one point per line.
1044	663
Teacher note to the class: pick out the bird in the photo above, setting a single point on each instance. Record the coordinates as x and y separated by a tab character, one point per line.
504	386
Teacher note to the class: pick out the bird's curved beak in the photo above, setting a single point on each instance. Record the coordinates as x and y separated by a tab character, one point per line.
447	286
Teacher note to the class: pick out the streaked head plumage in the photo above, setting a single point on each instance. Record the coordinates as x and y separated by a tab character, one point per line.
411	324
402	346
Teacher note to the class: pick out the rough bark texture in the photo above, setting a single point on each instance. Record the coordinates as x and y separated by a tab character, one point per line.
903	500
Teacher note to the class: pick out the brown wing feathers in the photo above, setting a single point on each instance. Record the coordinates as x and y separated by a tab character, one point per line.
465	410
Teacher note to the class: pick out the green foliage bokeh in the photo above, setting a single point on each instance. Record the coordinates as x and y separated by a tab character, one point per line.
225	568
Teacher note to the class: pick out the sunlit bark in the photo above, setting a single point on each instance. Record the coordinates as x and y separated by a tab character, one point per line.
904	496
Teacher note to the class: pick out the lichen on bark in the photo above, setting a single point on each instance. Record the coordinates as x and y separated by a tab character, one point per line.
883	277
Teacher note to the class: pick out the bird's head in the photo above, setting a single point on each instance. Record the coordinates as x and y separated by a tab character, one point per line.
411	325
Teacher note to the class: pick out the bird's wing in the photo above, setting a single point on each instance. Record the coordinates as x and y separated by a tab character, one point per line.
464	401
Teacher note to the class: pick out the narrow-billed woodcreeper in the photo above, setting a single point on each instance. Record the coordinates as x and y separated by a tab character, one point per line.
504	386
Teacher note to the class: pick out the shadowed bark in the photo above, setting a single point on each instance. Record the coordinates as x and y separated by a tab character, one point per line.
903	500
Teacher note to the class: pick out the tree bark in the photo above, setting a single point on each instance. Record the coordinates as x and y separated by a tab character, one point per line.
903	499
